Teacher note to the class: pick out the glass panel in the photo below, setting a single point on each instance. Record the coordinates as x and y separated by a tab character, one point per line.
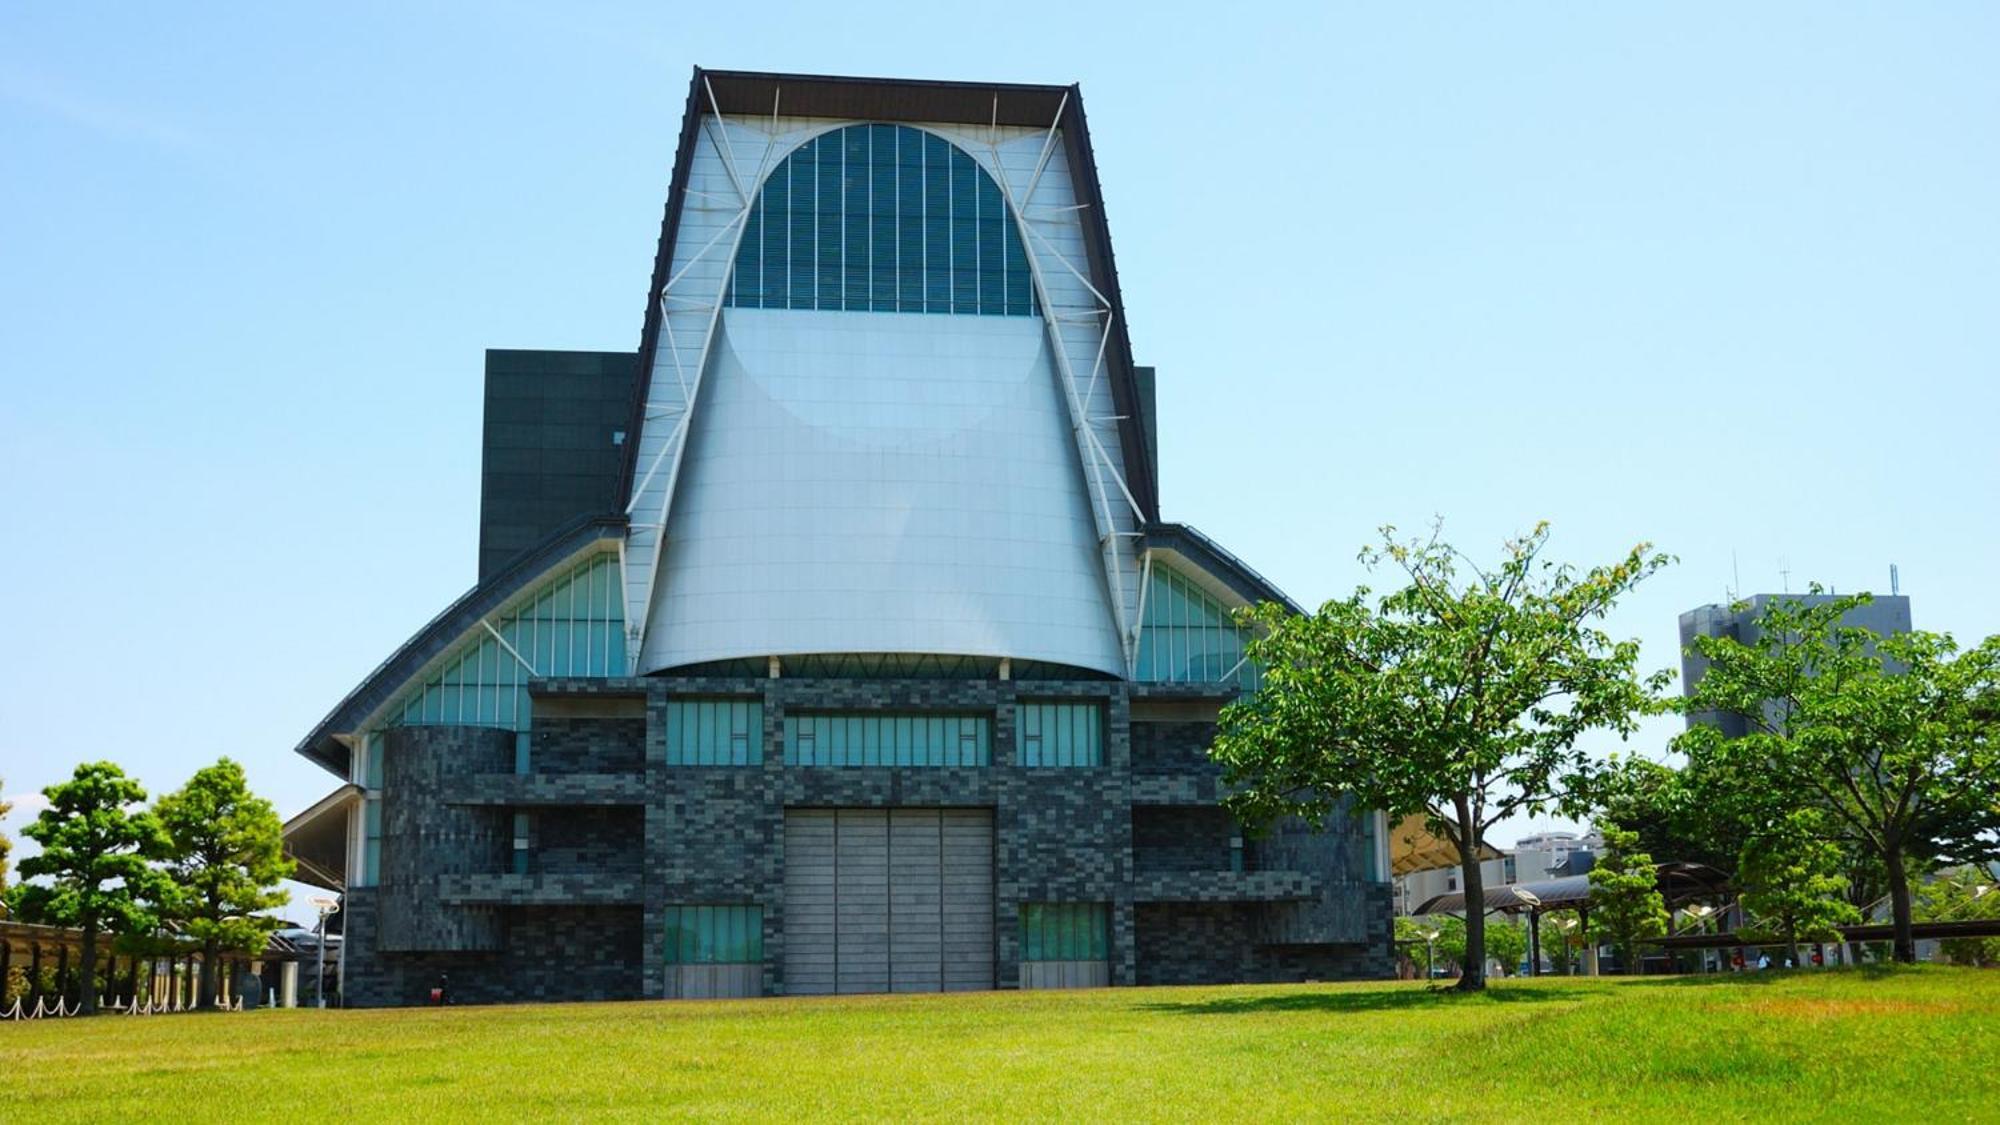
886	218
717	732
714	935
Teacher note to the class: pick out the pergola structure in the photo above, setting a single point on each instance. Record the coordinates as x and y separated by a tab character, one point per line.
1679	883
162	981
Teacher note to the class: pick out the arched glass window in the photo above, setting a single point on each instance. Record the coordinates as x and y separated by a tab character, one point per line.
882	218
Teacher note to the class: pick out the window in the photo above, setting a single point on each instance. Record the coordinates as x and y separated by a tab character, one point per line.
572	625
371	842
1508	871
832	739
715	732
1189	637
882	218
368	771
523	832
1061	734
1065	931
522	756
715	935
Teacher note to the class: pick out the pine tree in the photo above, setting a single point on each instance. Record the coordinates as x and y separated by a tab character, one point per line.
226	854
94	854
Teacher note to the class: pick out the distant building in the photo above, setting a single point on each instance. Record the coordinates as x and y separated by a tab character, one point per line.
1545	855
1885	616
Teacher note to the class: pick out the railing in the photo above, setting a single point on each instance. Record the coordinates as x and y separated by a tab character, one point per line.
63	1008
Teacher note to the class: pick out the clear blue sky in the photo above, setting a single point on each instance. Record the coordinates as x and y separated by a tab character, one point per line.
1724	280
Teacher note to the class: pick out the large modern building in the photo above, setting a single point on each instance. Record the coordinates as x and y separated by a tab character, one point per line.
1885	615
833	641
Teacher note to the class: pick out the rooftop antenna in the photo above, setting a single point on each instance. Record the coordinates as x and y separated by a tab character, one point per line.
1785	573
1735	576
1895	581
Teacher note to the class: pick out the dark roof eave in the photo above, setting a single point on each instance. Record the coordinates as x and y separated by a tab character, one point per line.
1231	571
323	747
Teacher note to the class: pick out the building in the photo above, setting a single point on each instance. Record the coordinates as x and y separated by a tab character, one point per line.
833	641
1532	859
1883	615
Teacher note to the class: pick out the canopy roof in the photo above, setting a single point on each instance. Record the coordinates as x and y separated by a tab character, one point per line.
1414	847
317	839
1678	883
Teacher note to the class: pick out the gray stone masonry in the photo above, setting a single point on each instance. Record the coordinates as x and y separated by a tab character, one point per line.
619	836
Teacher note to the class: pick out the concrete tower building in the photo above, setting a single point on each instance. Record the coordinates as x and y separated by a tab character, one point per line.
833	641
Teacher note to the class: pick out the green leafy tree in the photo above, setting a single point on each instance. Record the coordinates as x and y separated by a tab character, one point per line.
1625	895
1460	696
1668	812
1507	943
1562	939
1791	885
94	856
1966	895
225	855
1895	739
1435	940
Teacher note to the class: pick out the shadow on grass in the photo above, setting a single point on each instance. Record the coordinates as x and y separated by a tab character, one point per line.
1769	976
1368	1001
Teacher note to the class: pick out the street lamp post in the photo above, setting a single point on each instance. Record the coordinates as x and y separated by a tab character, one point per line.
327	906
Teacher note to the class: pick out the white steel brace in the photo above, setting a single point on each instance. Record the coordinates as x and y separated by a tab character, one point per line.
1099	465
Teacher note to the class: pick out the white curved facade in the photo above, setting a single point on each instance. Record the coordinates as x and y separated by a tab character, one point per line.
880	482
817	481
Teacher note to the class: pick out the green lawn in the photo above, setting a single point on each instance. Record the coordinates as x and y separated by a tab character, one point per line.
1915	1044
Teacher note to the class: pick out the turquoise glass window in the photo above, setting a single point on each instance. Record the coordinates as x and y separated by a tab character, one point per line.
715	732
882	218
370	774
837	739
524	827
371	842
1065	931
715	935
572	625
1189	638
1061	734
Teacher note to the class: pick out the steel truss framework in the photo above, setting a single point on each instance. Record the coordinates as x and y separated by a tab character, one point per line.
1079	337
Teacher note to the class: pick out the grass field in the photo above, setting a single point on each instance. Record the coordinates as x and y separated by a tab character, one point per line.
1913	1044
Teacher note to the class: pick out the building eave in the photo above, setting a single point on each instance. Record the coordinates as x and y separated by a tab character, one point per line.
324	744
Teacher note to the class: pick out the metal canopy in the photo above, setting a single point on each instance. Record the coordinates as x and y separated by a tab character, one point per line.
317	839
1678	883
1414	847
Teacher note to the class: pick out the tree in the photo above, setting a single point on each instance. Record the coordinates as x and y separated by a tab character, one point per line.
94	853
1668	812
1790	883
1562	938
1625	895
225	854
1968	894
1507	943
1895	739
1460	696
1439	939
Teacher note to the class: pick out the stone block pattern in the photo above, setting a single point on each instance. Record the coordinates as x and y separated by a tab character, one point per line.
715	835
